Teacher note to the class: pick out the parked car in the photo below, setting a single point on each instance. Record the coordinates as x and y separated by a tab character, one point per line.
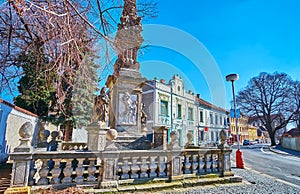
253	142
246	142
258	140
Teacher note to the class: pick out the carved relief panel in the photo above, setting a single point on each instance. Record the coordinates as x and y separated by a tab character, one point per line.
128	105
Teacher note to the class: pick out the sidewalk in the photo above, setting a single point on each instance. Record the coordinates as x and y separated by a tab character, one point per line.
280	150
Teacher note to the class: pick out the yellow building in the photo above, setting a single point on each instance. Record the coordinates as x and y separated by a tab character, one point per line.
245	130
252	132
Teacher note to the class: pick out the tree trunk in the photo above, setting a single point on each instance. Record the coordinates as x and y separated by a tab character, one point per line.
272	137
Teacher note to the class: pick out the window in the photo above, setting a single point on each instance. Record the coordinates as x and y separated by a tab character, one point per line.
216	119
221	120
190	114
201	116
179	111
164	108
211	118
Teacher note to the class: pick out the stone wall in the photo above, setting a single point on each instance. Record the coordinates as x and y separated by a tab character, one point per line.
292	143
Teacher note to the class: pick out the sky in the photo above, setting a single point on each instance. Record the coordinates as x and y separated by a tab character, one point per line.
205	40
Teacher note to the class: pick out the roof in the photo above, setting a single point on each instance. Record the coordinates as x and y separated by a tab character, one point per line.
255	118
293	132
18	108
205	103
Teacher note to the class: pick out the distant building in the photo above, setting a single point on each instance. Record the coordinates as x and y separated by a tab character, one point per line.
11	119
210	121
252	132
245	130
261	129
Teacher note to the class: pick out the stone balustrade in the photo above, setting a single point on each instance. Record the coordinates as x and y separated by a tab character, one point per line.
111	168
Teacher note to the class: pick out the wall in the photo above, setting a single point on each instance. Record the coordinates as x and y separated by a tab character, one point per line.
292	143
11	120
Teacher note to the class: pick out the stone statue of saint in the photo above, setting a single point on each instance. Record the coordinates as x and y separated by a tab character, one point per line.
100	111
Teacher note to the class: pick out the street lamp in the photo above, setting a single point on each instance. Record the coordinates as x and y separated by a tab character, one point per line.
239	155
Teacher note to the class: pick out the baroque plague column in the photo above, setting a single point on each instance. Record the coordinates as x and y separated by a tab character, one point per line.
126	82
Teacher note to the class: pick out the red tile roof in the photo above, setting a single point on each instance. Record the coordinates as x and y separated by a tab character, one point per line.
205	103
18	108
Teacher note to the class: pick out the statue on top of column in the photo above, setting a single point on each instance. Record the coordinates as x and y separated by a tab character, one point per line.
128	39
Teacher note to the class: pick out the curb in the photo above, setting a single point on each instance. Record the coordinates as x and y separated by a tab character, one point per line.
167	185
281	152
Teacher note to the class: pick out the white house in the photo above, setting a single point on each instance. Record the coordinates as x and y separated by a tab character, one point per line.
170	105
210	121
11	119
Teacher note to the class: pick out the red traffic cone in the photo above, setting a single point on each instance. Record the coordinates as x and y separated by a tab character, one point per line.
239	159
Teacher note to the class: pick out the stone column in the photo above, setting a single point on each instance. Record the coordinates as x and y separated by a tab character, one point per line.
96	137
22	157
175	157
160	137
110	158
225	155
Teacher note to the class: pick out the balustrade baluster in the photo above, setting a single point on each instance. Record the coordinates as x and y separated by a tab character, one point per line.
208	163
67	171
144	167
195	163
91	170
214	163
187	164
31	180
152	167
56	170
220	168
125	168
201	164
79	171
161	166
134	168
43	173
99	167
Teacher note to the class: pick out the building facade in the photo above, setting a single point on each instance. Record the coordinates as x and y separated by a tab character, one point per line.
11	119
210	121
168	104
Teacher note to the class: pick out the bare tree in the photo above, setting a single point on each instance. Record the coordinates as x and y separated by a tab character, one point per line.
296	95
64	31
271	99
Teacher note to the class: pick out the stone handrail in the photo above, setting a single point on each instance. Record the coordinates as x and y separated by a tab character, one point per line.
108	166
111	168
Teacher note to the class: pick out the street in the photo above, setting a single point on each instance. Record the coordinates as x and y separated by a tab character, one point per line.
258	157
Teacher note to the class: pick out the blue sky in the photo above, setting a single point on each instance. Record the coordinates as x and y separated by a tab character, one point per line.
204	40
243	36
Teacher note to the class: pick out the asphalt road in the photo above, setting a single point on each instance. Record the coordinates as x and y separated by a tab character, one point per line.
258	157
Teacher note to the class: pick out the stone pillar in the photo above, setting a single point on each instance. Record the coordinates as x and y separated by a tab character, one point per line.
160	137
96	137
22	158
225	155
126	98
110	158
175	162
175	157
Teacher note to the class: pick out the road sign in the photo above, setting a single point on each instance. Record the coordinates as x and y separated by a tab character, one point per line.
238	113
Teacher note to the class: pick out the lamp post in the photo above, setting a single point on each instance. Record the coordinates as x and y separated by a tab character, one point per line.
239	155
